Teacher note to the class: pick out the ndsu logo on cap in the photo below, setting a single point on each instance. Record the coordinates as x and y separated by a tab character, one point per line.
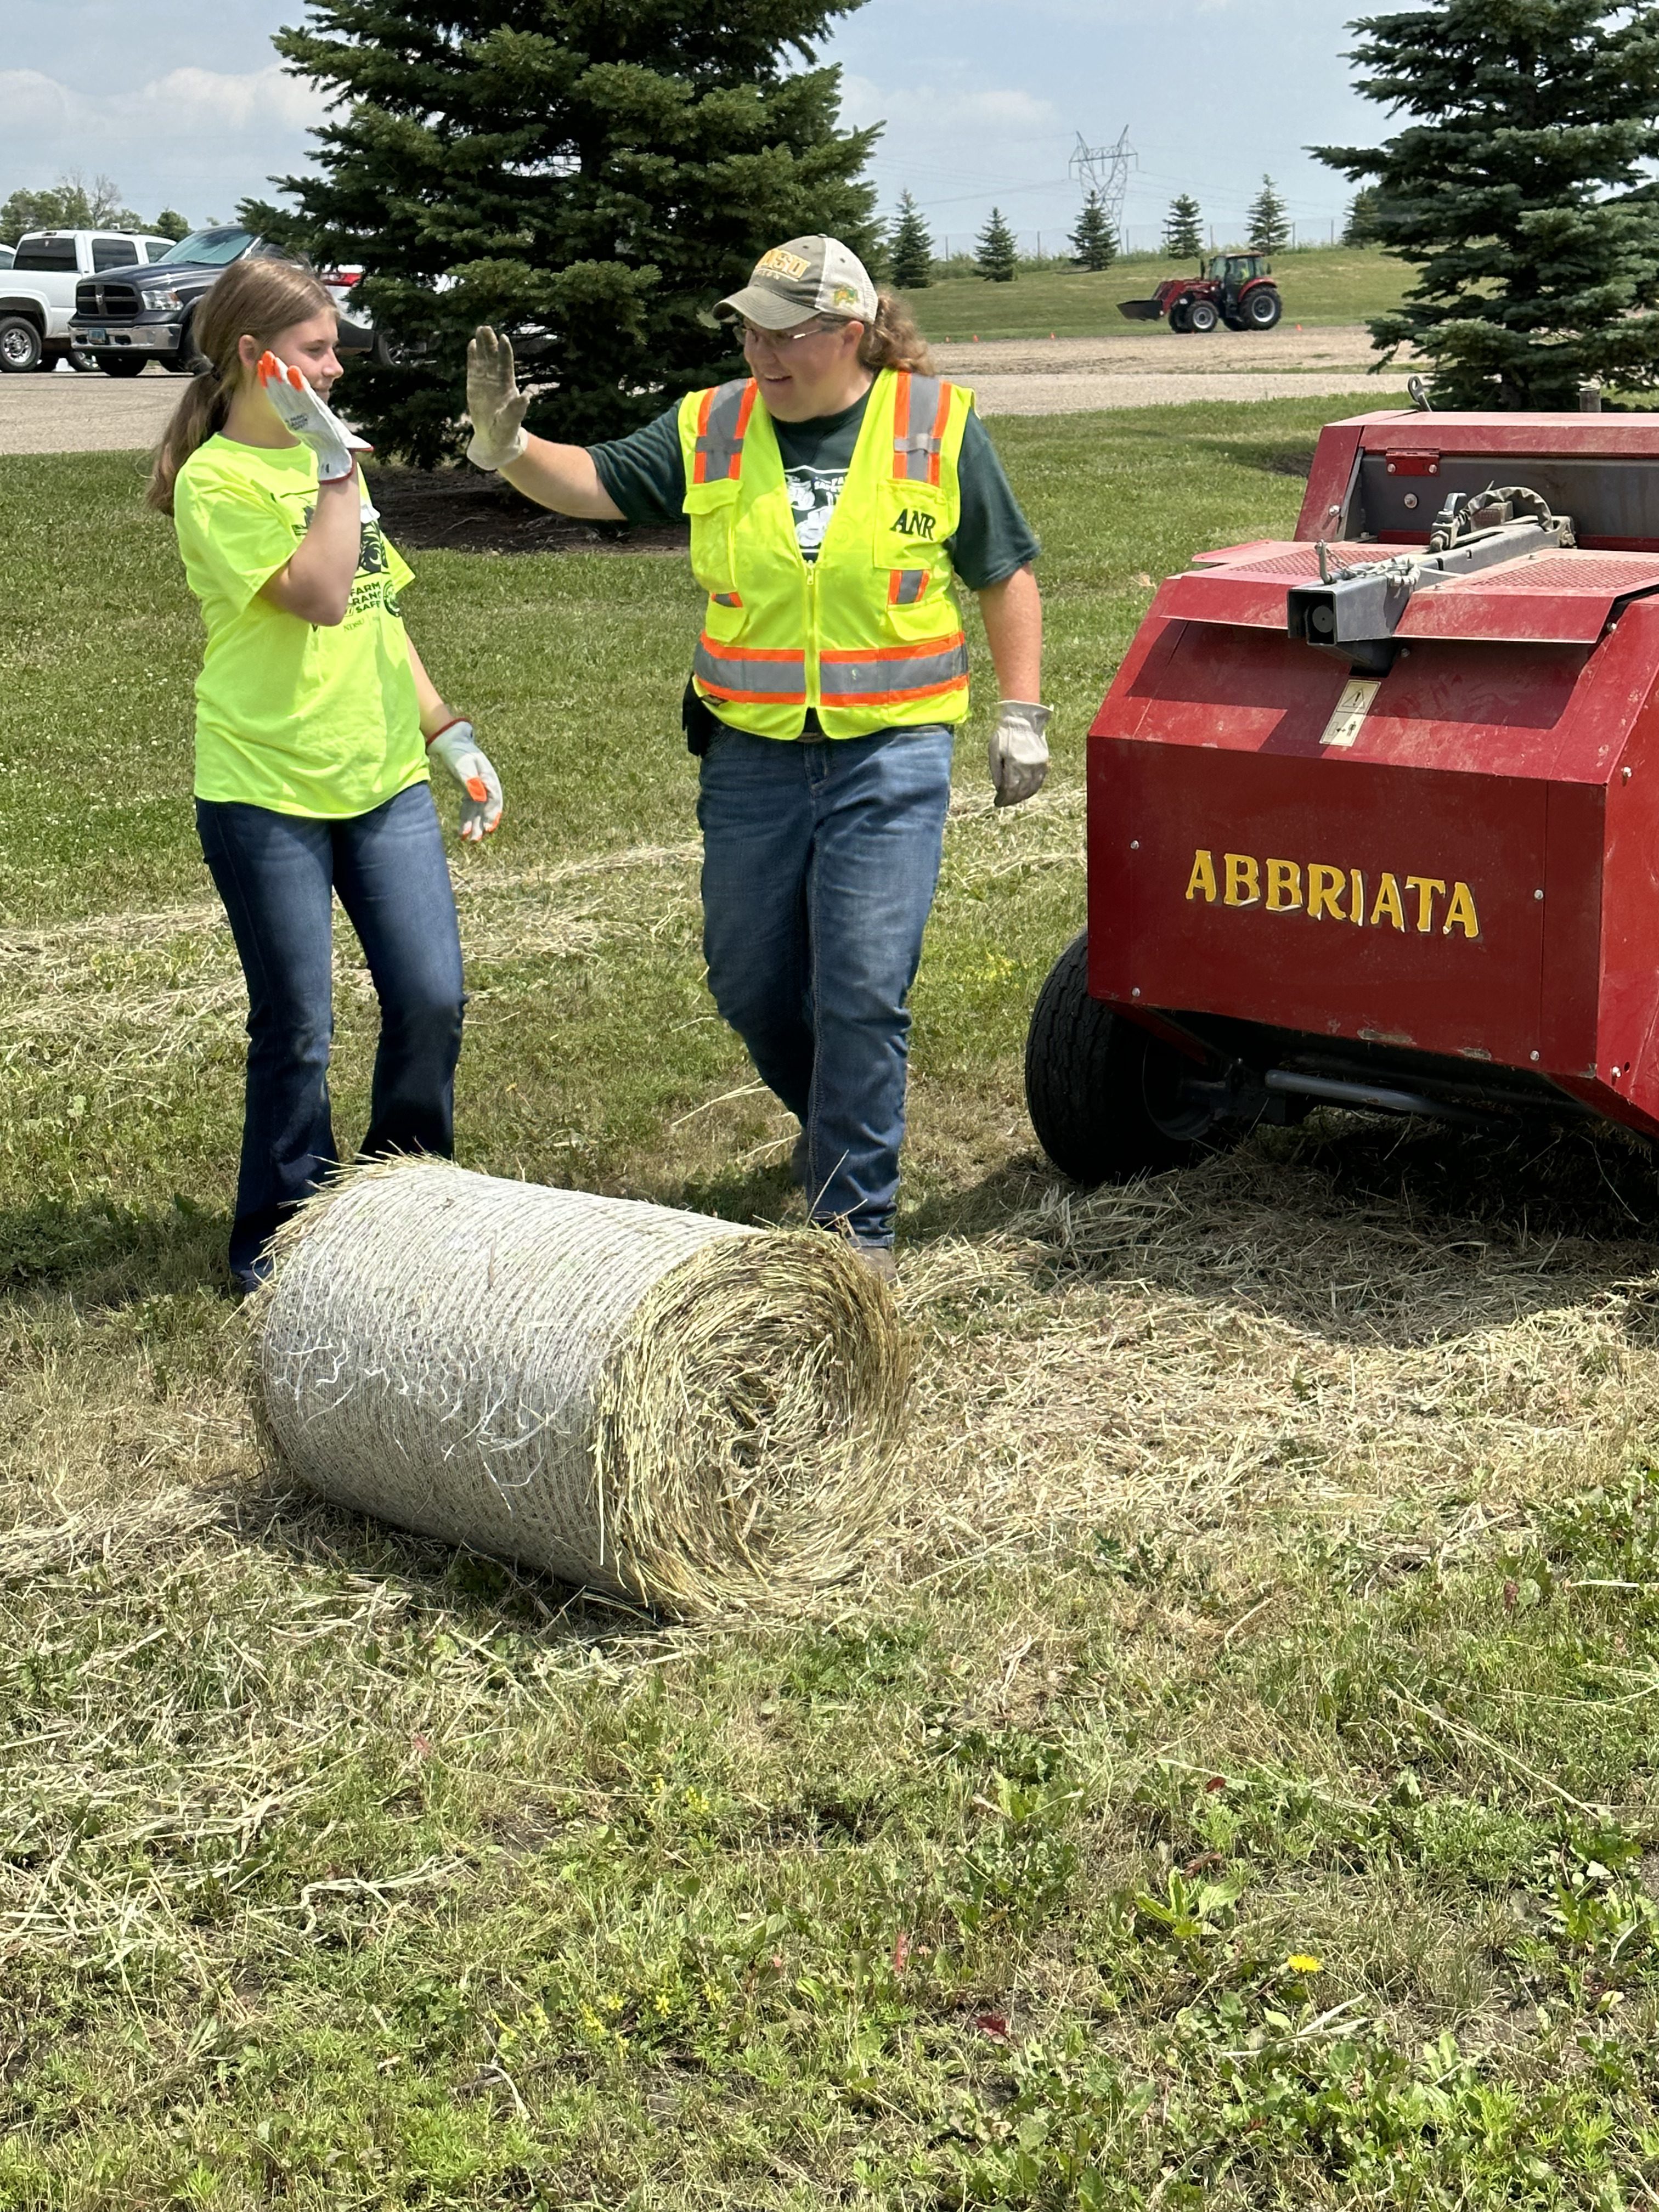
777	263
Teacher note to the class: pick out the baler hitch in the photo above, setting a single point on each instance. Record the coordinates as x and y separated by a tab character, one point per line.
1353	610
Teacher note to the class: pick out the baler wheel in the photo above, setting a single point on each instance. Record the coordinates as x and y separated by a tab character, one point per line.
1104	1094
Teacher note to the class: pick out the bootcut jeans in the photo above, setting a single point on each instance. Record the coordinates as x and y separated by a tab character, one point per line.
276	874
820	861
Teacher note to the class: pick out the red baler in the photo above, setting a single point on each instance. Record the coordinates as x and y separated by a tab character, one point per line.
1374	814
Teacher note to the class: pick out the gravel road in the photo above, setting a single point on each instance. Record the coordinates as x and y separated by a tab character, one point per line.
65	414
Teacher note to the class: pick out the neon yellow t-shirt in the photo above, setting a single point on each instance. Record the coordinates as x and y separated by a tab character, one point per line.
292	715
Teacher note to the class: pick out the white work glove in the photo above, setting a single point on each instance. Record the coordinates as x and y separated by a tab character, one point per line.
1018	752
481	787
494	403
311	420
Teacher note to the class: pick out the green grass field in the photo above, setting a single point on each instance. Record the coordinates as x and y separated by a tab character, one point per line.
1234	1780
1320	284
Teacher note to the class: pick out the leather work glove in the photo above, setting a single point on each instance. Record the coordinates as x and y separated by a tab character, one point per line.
481	787
1019	751
493	402
311	420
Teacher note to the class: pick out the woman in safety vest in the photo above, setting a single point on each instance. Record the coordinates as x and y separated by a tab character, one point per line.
836	493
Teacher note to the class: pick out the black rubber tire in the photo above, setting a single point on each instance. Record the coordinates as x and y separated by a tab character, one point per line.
20	348
186	361
1202	316
82	360
1178	317
1262	308
1088	1078
122	364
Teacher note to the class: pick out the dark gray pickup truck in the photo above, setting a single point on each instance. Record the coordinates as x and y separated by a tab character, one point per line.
127	317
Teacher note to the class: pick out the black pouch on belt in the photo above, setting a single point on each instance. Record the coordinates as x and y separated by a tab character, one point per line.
699	725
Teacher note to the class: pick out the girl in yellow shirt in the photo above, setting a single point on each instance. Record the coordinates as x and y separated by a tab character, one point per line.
315	722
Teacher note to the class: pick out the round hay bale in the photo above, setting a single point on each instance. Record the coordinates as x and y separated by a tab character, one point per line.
670	1408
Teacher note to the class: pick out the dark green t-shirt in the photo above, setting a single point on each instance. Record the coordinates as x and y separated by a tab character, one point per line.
644	475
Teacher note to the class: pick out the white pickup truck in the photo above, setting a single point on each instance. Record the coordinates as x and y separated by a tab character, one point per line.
37	293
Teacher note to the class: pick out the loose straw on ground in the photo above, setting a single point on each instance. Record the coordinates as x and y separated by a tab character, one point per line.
664	1405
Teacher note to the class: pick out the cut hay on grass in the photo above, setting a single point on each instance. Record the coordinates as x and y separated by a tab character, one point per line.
136	991
1288	1329
654	1403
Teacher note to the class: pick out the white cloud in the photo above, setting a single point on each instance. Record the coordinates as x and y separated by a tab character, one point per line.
939	109
195	138
191	98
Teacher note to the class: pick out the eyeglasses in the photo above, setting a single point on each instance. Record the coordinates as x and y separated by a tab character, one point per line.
776	340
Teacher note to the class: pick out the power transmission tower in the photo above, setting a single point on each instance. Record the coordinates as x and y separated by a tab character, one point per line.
1105	170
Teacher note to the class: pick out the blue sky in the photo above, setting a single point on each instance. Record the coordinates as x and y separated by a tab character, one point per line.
983	101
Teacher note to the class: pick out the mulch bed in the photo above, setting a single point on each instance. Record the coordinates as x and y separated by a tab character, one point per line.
461	510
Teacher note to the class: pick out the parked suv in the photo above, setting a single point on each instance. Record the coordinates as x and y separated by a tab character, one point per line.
37	293
126	318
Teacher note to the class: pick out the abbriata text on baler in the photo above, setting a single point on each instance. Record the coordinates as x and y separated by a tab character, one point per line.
1374	814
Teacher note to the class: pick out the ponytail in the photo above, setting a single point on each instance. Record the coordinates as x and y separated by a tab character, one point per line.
893	340
257	298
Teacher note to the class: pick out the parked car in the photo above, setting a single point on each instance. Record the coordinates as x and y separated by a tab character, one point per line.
37	293
124	319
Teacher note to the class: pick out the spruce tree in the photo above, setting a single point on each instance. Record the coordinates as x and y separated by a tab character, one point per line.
1267	226
1094	243
910	248
1183	228
590	178
997	257
1517	188
1360	227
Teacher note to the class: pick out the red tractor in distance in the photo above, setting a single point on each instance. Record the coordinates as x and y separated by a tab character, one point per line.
1234	288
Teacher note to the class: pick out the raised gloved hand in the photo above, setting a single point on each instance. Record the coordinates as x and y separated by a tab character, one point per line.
311	420
493	402
1018	751
481	787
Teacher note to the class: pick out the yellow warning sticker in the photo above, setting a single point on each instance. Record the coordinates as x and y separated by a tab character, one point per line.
1351	710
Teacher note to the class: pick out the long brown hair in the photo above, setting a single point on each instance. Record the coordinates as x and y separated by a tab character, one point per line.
256	299
893	340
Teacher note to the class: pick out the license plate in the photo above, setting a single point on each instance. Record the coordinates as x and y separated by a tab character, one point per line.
97	337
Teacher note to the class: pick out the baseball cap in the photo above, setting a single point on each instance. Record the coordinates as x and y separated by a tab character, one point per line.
815	276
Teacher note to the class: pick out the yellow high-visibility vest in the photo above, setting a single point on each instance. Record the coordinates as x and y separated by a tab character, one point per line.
869	634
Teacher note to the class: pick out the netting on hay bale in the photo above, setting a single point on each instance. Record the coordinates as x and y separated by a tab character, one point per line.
659	1404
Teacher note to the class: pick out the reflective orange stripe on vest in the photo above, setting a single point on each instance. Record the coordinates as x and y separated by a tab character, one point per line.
906	587
742	672
888	675
722	421
921	410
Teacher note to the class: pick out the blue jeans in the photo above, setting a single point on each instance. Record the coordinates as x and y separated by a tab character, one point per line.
820	861
276	874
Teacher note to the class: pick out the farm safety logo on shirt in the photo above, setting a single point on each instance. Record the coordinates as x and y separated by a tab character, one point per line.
1319	890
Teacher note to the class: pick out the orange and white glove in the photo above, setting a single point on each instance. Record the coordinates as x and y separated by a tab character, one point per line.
481	787
311	419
